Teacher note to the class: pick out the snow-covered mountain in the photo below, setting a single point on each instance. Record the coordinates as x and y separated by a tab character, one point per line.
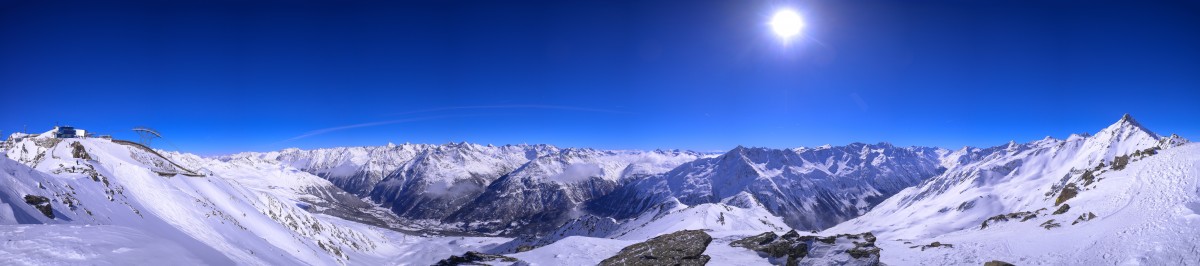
811	188
1123	195
603	237
478	188
737	214
315	194
549	190
97	188
532	189
416	181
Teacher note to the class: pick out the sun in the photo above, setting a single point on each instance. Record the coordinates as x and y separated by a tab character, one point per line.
787	24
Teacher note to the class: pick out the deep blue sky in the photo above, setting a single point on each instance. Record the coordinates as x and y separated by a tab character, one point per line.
225	76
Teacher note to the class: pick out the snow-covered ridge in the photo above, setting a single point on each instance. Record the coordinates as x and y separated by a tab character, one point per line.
1136	202
1007	178
234	213
1050	192
534	188
480	188
811	188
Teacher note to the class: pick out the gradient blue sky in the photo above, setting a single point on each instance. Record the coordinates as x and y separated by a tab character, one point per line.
225	76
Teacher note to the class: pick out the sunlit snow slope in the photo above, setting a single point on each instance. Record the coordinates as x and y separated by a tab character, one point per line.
54	185
1122	196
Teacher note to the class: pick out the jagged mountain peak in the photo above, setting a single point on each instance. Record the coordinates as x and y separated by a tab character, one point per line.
737	149
1123	137
737	153
878	144
459	145
752	153
1127	118
742	200
577	151
1172	141
1126	124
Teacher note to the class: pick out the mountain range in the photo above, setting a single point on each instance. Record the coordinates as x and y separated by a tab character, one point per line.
532	189
540	204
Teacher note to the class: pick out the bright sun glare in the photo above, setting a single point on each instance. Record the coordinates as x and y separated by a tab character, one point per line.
787	24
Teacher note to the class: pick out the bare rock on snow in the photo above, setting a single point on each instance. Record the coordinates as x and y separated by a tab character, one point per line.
679	248
473	258
793	249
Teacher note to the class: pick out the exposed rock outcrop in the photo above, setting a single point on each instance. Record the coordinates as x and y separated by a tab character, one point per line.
1062	209
997	263
41	203
1022	216
79	152
1084	218
793	249
473	258
935	244
679	248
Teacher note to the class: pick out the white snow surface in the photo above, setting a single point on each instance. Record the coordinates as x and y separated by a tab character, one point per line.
748	218
574	250
734	218
89	244
1147	213
126	205
239	213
